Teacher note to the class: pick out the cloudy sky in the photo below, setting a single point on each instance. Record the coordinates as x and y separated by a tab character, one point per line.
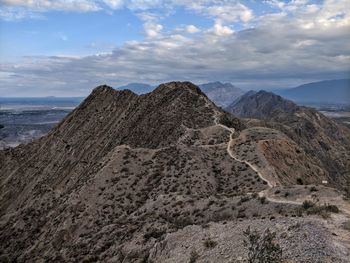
67	47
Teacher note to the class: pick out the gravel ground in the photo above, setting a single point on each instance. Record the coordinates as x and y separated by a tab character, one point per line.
304	240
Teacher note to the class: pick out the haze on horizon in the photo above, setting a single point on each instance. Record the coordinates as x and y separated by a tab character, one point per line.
66	48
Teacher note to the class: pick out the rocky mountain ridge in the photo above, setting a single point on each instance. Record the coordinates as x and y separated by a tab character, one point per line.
129	178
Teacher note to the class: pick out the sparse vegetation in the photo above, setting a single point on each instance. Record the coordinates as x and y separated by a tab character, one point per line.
154	233
263	200
300	181
324	210
313	189
346	225
209	243
193	256
262	248
347	189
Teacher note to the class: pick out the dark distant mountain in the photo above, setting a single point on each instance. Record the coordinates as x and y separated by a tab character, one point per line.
261	105
138	88
328	91
221	93
324	139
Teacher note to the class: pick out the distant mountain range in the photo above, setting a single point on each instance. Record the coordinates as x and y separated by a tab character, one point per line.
328	91
221	93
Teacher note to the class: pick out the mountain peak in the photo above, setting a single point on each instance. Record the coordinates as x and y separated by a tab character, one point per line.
103	89
221	93
180	86
261	104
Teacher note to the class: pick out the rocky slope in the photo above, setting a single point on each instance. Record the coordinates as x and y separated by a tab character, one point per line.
325	142
128	178
221	93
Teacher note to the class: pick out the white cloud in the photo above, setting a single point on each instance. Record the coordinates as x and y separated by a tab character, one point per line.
284	48
231	13
152	30
44	5
192	29
13	14
114	4
220	30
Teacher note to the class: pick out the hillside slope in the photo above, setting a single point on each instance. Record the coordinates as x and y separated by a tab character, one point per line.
326	142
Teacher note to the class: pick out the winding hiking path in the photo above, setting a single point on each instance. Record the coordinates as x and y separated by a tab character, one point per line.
263	193
345	207
340	239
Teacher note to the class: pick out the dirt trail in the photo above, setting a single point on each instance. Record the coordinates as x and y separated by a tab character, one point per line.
271	184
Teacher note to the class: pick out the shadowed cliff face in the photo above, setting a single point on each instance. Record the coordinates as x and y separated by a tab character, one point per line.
327	142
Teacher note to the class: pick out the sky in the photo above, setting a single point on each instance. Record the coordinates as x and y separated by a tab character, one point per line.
68	47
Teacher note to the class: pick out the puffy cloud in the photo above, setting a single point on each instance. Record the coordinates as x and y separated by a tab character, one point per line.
114	4
152	30
231	13
43	5
192	29
220	30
